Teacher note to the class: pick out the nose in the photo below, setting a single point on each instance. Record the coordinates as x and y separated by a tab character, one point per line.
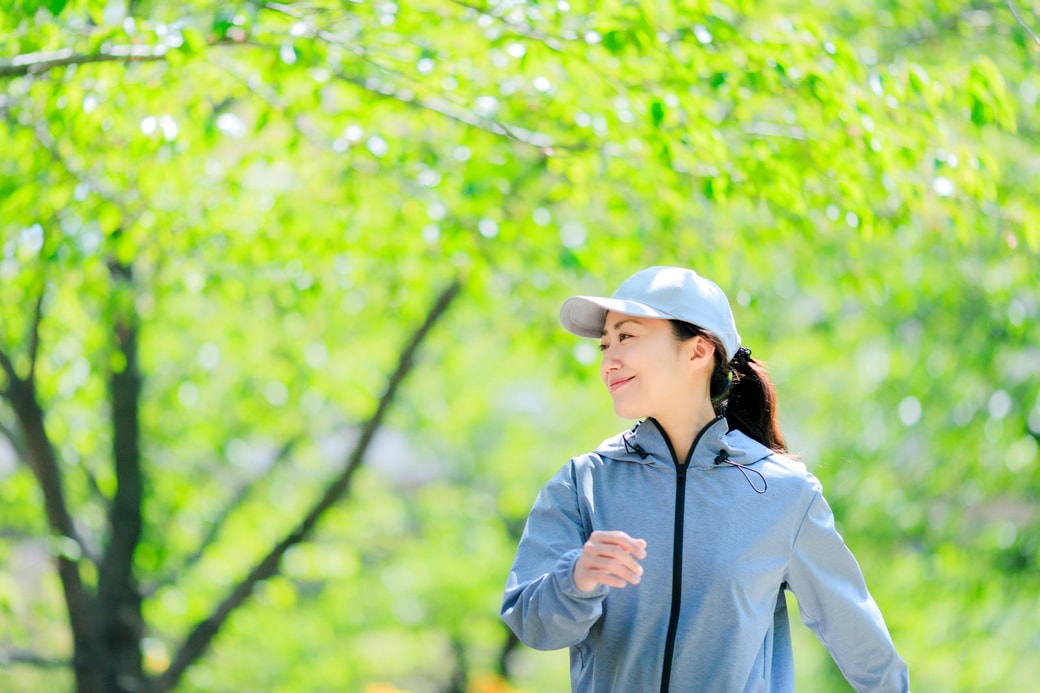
609	364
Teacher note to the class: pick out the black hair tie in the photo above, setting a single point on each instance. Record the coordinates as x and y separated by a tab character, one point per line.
741	357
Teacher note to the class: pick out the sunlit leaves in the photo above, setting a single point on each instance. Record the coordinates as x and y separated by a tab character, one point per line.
987	94
293	183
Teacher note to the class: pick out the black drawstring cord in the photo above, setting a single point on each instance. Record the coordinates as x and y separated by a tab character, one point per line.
723	458
634	447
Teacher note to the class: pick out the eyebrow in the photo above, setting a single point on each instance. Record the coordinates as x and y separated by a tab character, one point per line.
618	324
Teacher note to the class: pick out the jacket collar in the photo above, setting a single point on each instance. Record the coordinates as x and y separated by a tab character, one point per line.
646	443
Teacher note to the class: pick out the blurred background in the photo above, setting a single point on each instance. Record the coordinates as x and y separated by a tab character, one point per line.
280	369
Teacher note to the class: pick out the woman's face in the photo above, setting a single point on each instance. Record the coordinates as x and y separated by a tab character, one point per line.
647	371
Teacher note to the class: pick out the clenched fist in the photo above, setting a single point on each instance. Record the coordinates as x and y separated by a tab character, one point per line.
609	558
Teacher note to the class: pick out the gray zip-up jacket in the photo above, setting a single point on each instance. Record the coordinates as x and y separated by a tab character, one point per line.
727	530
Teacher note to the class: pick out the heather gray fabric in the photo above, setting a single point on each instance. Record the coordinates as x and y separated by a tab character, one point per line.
739	548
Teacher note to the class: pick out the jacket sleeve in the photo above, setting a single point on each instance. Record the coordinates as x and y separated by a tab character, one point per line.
834	602
541	604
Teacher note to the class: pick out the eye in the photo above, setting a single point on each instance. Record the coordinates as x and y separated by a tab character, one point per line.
602	346
623	336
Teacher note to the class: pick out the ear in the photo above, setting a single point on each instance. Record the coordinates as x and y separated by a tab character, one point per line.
701	352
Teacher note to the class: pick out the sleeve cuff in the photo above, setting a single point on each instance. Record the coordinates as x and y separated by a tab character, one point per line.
564	576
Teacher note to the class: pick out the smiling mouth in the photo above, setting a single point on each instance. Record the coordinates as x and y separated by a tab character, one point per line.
618	383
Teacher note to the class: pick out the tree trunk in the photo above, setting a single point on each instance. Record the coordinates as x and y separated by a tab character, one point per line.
119	600
78	601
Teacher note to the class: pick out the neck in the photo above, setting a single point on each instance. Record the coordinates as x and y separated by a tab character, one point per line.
683	430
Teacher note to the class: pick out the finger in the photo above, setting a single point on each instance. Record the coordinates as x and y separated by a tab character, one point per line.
613	561
621	539
613	581
618	543
589	578
615	574
602	556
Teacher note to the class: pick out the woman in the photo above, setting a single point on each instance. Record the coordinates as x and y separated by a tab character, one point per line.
661	558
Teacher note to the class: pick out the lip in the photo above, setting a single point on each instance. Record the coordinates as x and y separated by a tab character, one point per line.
615	384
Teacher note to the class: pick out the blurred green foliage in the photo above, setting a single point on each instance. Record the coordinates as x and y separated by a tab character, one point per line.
293	183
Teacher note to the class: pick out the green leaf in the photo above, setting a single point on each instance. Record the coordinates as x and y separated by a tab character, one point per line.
55	7
657	113
194	41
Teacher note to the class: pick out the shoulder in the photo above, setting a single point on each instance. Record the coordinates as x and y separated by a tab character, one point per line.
790	469
608	453
582	468
577	469
609	459
588	459
783	471
787	465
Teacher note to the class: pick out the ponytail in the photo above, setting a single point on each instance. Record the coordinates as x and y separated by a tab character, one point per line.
740	389
751	402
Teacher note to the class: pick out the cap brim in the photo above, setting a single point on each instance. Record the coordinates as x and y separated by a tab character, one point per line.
585	315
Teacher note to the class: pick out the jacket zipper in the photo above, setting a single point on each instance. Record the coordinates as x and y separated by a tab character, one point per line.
677	549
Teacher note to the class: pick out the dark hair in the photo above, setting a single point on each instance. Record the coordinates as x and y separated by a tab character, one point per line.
741	389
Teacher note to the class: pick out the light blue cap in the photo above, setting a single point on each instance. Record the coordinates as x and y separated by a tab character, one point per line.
671	293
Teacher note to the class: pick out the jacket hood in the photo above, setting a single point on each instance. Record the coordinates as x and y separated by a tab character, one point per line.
646	443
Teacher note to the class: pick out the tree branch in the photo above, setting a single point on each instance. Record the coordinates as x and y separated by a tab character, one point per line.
204	632
439	106
14	440
1022	23
46	138
461	115
34	331
16	655
267	95
763	129
12	376
550	42
43	462
508	646
459	681
241	495
34	63
95	487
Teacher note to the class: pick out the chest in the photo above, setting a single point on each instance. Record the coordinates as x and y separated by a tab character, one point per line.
712	521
